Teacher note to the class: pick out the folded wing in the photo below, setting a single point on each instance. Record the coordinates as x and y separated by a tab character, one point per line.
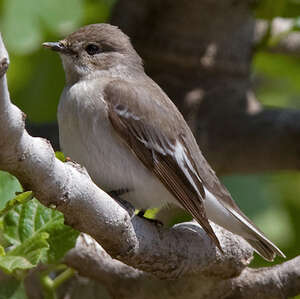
154	134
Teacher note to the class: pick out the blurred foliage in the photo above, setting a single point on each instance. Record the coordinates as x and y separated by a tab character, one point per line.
12	288
273	200
277	79
36	73
270	9
36	79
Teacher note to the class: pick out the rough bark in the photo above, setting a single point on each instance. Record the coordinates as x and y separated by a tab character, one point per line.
280	281
136	259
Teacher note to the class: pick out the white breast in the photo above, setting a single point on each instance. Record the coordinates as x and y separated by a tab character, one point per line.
87	137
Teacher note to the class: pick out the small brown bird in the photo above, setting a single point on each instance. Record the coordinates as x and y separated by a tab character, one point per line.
123	128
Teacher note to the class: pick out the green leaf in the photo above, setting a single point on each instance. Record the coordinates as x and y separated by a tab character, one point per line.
61	240
8	186
11	288
28	223
10	263
27	255
2	251
60	156
19	199
150	213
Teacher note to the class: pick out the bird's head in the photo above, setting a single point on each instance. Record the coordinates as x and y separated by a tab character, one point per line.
95	47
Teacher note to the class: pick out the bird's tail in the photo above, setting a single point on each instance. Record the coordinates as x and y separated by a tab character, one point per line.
260	243
233	219
265	249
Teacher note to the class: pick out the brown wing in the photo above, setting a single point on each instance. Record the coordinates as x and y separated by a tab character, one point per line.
154	132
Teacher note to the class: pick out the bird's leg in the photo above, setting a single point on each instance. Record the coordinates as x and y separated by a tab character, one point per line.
141	214
116	195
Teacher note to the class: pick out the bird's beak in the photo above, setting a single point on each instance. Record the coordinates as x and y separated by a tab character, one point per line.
57	46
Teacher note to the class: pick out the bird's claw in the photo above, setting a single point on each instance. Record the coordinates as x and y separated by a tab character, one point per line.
3	66
157	222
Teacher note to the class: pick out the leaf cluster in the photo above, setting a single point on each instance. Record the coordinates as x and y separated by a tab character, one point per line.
30	234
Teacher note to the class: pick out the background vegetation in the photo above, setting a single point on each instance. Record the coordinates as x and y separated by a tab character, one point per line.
36	79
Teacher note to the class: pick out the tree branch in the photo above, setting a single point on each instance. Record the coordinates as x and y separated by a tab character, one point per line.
183	252
280	281
166	253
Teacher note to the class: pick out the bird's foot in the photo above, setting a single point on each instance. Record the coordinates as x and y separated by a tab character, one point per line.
116	195
3	66
157	222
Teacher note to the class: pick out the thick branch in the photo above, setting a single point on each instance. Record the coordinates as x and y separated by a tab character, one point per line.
91	260
122	281
281	281
163	252
183	252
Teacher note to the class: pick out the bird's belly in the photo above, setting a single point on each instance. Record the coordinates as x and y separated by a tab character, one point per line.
110	163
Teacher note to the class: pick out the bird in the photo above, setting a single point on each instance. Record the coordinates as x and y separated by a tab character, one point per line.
122	127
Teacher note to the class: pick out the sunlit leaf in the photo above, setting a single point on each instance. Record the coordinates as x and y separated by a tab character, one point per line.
21	198
32	223
26	255
8	186
60	156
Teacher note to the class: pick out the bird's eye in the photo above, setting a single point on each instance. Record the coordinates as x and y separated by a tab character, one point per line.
92	49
